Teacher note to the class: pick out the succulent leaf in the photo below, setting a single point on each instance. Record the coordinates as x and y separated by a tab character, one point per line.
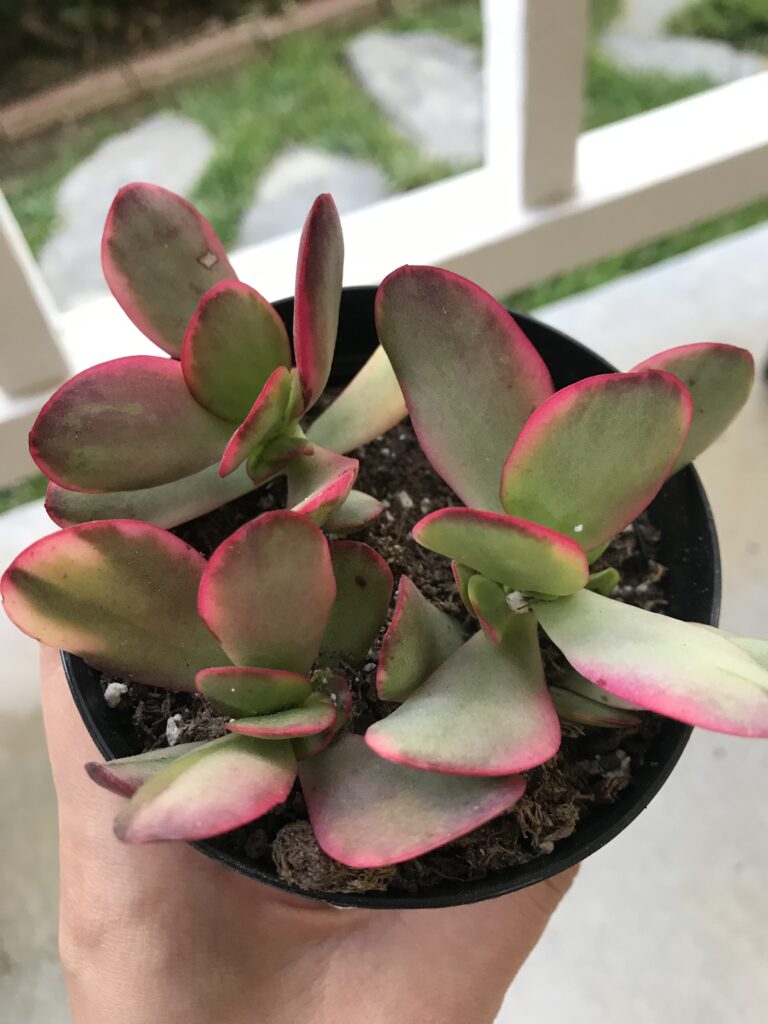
124	775
719	378
484	711
252	691
462	574
670	667
574	708
418	639
121	594
320	484
357	511
595	454
268	590
367	812
107	429
604	582
523	555
166	505
337	688
262	424
489	606
269	462
469	375
160	256
363	591
319	274
576	683
316	715
223	785
371	404
234	343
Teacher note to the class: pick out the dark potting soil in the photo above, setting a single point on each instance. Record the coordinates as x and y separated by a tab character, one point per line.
591	769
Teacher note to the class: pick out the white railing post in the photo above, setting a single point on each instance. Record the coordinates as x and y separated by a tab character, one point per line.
556	34
30	359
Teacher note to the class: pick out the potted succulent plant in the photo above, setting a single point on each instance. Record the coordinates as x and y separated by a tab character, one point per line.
552	639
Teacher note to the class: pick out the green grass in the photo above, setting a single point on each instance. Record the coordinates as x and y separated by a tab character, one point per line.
743	23
20	494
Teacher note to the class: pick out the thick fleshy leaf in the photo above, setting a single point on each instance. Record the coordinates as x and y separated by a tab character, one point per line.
670	667
756	649
469	375
574	708
370	405
520	554
337	688
233	344
320	483
319	272
604	582
252	691
124	425
489	605
363	592
367	812
159	257
418	639
267	592
166	505
263	423
271	461
594	455
122	595
576	683
124	775
719	378
358	511
484	711
312	717
462	574
221	786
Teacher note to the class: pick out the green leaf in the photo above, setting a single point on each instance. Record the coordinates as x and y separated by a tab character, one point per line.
574	708
367	812
316	715
357	511
252	691
363	591
604	582
320	483
262	424
125	774
670	667
489	606
594	455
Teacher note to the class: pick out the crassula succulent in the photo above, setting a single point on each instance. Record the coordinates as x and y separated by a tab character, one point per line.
165	439
273	629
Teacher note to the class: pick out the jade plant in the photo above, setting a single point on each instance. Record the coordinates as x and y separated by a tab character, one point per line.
166	439
548	479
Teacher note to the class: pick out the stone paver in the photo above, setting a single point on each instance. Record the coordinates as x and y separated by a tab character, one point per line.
294	179
429	85
682	56
164	149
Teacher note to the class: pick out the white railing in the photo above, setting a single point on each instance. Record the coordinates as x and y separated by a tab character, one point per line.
547	199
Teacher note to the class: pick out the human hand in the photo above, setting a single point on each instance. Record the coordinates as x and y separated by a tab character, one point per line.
162	934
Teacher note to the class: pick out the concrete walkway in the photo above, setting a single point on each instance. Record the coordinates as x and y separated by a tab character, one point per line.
670	922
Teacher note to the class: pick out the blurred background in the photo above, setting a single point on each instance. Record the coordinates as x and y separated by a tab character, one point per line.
603	163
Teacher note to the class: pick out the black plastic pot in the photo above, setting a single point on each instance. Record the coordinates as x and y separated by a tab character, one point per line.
688	548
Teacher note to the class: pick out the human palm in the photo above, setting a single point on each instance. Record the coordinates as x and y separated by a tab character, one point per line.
162	934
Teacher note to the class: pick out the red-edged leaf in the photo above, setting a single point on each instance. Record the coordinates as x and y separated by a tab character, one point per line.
320	484
363	591
223	785
358	511
122	595
520	554
484	711
337	689
159	257
367	812
234	343
489	606
593	456
166	505
269	462
268	591
572	707
252	691
673	668
719	378
124	775
319	274
316	715
125	425
262	424
462	574
469	375
418	639
370	405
